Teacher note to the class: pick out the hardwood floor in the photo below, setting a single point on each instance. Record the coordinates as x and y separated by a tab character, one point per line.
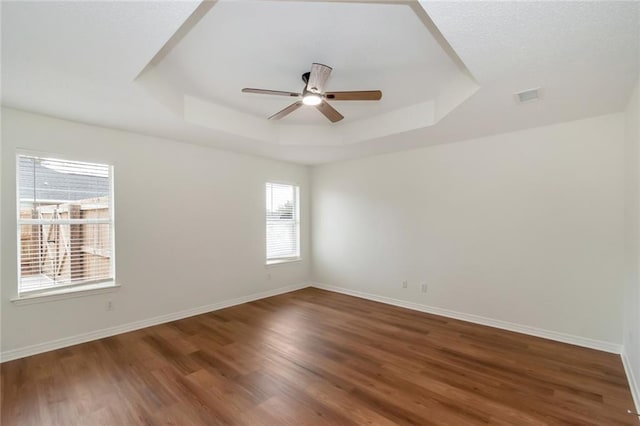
316	357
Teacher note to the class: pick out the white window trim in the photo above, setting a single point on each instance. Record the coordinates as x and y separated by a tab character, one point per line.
276	262
68	290
65	292
292	259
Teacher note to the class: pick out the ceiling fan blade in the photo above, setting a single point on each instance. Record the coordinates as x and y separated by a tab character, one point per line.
270	92
288	110
361	95
318	77
329	112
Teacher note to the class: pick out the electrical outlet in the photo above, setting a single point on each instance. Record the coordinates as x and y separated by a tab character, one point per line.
110	305
405	284
424	288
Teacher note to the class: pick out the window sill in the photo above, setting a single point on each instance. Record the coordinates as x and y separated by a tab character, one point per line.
65	293
282	261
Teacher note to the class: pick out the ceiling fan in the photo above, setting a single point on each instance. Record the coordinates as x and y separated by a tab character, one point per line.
313	94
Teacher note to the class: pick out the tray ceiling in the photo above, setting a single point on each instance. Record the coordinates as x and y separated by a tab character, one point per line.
269	44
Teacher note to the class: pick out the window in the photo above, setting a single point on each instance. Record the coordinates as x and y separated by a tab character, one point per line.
283	223
65	224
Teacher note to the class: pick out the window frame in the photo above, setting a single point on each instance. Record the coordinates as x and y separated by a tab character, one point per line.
298	256
64	291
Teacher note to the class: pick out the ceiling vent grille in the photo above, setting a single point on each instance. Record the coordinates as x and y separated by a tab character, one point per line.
527	96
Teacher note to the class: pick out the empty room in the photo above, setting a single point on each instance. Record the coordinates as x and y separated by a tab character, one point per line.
320	212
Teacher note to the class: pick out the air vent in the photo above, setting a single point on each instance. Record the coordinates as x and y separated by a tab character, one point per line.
527	96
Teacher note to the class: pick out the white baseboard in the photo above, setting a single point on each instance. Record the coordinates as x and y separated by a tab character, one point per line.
111	331
634	384
136	325
505	325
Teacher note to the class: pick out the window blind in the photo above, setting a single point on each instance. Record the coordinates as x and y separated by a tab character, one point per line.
65	223
283	224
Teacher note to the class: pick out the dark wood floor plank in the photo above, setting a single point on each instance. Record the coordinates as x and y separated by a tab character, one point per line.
313	357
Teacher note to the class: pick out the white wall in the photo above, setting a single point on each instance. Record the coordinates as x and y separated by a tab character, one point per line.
632	217
189	227
525	227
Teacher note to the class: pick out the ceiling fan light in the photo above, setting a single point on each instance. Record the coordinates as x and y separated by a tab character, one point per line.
311	100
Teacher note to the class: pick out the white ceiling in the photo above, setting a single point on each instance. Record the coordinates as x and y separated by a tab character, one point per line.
200	71
80	60
269	44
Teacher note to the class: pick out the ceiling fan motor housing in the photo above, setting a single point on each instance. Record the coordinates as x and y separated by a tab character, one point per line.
305	79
